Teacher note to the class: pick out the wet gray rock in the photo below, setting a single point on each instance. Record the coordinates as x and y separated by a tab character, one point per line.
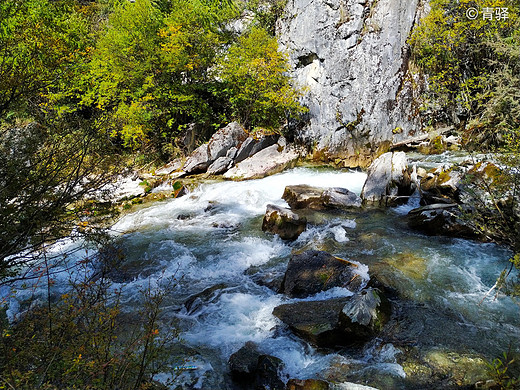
220	165
264	163
303	196
338	321
313	271
442	219
224	139
282	221
340	198
314	321
198	161
388	180
352	56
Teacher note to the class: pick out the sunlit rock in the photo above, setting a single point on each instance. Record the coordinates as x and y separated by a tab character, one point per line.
282	221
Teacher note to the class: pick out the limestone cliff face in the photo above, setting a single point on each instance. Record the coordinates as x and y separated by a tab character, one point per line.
353	58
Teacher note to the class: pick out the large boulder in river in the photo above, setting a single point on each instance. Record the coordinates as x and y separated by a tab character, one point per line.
303	196
388	180
340	198
442	219
282	221
224	139
266	162
313	271
441	185
338	321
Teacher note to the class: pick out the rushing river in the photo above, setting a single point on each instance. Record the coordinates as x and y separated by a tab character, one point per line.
212	239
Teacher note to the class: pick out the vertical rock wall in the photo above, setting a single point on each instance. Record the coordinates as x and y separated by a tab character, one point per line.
352	57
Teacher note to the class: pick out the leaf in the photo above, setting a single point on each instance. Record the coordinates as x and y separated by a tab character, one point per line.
362	307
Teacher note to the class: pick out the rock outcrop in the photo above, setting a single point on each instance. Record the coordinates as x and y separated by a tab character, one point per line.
264	163
352	56
282	221
388	180
313	271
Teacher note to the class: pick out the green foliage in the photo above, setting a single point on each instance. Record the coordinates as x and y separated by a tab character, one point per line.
41	43
473	67
256	82
500	371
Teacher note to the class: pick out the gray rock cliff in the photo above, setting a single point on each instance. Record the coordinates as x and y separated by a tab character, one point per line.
352	57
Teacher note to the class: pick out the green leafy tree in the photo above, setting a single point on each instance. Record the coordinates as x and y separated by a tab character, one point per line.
41	43
472	67
256	83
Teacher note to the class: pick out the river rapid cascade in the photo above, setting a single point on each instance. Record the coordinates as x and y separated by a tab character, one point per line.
226	268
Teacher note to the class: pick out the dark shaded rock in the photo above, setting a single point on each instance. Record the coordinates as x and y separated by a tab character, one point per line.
208	295
264	142
441	219
244	362
340	198
245	149
339	321
307	384
303	196
388	181
224	139
268	373
253	370
198	161
282	221
220	165
314	271
315	321
271	280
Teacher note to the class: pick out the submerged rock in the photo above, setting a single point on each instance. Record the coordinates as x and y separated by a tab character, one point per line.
264	163
211	294
282	221
388	180
441	219
313	271
244	362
